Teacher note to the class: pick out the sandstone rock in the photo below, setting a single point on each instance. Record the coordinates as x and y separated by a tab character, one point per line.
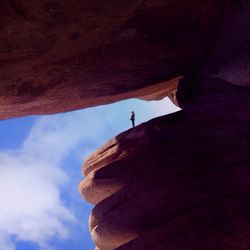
179	181
57	56
184	180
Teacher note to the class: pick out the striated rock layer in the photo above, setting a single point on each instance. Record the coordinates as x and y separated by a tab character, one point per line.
177	182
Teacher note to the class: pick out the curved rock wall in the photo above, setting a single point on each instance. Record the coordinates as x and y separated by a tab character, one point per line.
181	181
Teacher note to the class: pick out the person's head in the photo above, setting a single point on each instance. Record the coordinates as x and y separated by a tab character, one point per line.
133	112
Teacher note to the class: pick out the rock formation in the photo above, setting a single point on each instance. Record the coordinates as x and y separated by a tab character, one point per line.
177	182
180	181
57	56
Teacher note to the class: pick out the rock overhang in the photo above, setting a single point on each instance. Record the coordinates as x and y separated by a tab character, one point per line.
60	56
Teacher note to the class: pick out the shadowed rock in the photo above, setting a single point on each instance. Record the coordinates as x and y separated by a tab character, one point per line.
57	56
180	181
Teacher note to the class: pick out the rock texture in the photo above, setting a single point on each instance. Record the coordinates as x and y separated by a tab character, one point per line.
180	181
57	56
231	52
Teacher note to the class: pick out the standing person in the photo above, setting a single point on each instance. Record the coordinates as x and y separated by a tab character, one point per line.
132	118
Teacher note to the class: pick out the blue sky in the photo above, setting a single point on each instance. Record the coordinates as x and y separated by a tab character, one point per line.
40	169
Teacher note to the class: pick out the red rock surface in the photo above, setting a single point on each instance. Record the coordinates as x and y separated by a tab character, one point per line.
180	181
57	56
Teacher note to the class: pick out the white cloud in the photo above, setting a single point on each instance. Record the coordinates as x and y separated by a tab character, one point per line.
32	177
5	242
31	207
31	180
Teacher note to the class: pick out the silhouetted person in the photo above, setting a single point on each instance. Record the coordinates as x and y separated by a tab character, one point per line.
132	118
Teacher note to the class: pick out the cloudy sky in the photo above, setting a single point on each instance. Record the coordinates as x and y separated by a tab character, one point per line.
40	169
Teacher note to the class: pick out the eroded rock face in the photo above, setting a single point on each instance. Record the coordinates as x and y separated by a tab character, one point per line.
58	56
181	181
176	182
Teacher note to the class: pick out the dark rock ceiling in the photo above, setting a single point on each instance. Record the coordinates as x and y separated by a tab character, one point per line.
57	56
